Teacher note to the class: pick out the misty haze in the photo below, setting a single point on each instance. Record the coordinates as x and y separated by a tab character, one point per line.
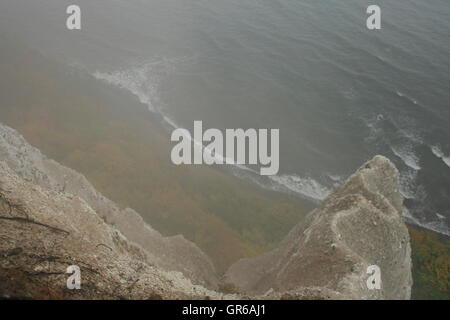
339	166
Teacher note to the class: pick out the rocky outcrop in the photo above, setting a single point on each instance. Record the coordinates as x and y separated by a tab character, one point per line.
51	217
327	256
43	232
169	253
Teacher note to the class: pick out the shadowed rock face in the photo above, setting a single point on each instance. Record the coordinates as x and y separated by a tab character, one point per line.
43	232
169	253
51	217
327	255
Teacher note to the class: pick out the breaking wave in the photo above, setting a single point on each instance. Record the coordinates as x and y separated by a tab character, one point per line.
436	226
438	153
407	183
408	157
402	95
144	83
138	81
305	186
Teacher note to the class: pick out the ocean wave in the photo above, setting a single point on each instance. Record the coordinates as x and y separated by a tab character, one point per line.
437	226
402	95
335	177
440	216
139	81
170	122
144	81
335	180
437	151
408	157
305	186
407	184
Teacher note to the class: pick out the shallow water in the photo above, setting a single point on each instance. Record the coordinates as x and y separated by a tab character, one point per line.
339	93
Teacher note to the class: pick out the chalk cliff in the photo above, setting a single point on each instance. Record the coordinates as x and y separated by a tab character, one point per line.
51	217
169	253
327	255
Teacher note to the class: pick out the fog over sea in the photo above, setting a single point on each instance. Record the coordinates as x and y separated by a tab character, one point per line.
339	93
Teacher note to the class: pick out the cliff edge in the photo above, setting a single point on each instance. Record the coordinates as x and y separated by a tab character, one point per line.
169	253
328	255
51	217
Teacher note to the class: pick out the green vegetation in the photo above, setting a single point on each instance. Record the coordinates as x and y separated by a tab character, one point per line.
431	264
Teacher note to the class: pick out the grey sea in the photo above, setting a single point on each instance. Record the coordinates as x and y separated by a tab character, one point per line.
338	92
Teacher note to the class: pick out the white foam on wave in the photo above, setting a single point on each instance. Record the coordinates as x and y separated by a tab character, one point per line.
438	153
143	82
406	140
335	177
199	147
410	190
408	157
407	183
138	81
436	226
170	122
402	95
440	216
305	186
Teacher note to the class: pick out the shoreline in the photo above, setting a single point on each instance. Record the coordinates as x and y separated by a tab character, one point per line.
110	137
312	196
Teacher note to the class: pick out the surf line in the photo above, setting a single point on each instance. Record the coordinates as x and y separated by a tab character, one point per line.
242	147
